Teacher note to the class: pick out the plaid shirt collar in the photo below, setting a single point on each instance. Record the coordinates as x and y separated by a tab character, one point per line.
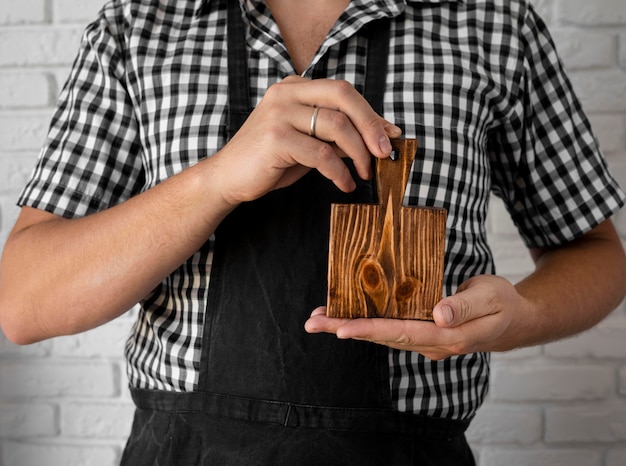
264	35
388	6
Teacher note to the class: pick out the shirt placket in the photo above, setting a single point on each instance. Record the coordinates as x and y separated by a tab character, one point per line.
264	34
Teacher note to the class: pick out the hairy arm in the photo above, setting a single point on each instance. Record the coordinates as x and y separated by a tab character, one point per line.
573	287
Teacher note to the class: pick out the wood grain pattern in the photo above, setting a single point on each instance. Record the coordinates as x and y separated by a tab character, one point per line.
386	260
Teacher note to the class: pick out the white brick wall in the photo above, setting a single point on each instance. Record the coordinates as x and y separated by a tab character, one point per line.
65	402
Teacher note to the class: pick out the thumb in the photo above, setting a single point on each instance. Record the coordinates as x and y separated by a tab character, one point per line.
477	297
457	309
452	312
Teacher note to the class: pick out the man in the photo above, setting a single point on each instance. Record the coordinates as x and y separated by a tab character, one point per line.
159	184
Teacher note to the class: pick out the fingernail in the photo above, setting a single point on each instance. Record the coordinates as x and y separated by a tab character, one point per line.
447	314
384	144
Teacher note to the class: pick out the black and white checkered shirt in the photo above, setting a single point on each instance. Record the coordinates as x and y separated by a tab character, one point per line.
478	82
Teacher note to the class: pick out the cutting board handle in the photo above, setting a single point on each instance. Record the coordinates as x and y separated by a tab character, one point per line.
392	174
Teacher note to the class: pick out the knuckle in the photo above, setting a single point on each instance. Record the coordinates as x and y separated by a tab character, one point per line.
273	135
459	348
291	78
339	121
276	92
344	88
373	123
404	339
435	356
493	305
464	310
325	153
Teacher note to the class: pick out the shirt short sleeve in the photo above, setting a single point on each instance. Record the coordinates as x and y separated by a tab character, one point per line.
546	162
91	158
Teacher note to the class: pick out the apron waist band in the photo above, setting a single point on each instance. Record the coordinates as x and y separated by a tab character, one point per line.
299	415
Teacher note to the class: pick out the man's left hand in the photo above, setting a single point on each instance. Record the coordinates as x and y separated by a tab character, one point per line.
477	318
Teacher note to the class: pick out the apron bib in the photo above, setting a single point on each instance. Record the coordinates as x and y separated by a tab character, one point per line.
268	392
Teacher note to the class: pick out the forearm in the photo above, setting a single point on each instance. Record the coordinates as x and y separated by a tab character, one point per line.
572	288
63	276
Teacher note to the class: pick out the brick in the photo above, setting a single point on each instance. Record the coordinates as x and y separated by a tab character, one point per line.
558	382
590	423
23	131
617	166
76	11
45	46
602	91
619	220
30	454
622	381
505	425
8	349
615	319
544	9
3	237
610	131
514	356
60	76
596	13
27	420
97	420
15	170
582	49
616	457
8	214
598	342
527	457
105	341
23	12
24	90
510	254
512	258
44	379
499	221
124	390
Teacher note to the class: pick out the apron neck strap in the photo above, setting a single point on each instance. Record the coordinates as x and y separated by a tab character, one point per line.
239	101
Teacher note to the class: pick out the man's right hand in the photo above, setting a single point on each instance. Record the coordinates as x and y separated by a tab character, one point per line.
60	276
274	147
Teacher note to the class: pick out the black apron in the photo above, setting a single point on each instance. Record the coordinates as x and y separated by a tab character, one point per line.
268	392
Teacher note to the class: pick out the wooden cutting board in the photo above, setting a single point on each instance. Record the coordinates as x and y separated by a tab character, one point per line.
386	260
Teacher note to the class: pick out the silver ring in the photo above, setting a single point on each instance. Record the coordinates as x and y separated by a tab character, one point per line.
313	121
